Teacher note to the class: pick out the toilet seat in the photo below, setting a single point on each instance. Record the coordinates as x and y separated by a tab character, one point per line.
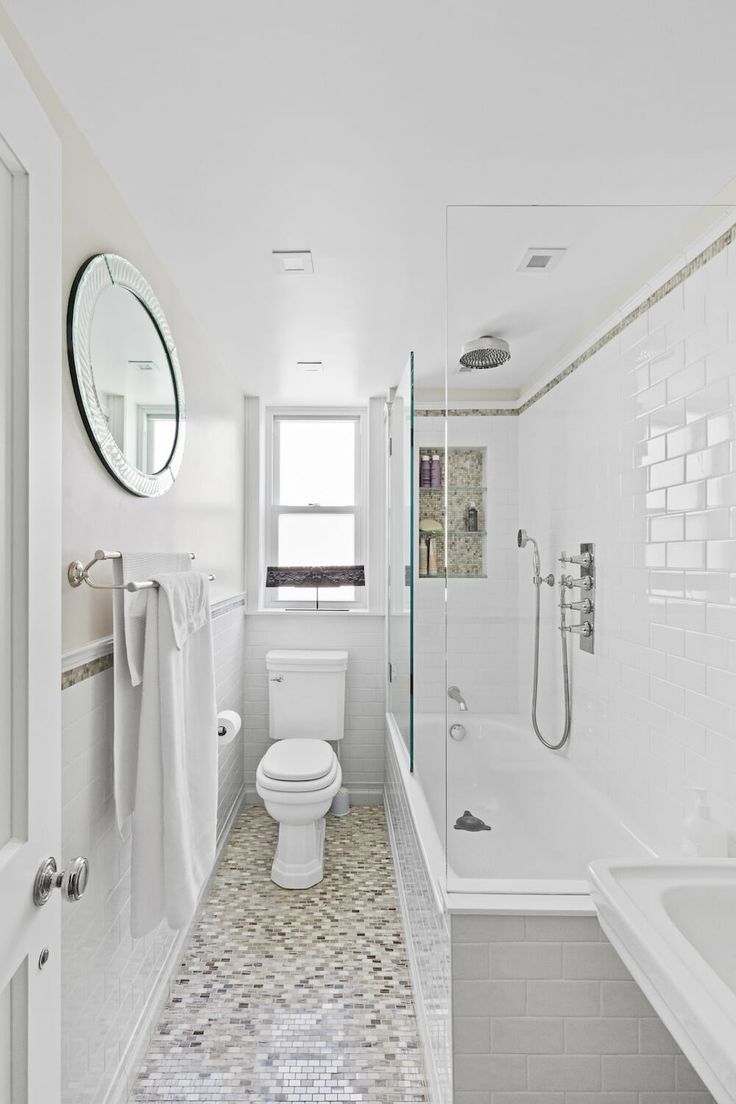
310	786
297	767
297	760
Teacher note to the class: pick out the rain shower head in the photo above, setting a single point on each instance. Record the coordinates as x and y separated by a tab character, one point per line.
486	352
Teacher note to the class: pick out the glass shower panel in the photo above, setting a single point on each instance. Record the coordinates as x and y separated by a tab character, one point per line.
401	557
614	322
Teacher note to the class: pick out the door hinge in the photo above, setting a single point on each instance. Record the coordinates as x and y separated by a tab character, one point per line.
390	446
390	672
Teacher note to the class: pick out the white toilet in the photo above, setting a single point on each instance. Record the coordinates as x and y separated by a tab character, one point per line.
299	775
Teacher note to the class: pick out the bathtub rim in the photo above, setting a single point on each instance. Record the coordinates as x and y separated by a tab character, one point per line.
510	897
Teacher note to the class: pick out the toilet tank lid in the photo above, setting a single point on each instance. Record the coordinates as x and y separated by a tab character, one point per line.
292	660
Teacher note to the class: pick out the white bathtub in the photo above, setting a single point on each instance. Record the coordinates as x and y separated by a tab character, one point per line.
547	823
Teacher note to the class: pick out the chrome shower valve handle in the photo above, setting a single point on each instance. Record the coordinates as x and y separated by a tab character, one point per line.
584	606
585	559
585	582
584	629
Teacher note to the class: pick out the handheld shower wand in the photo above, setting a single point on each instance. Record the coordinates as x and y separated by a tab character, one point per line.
522	539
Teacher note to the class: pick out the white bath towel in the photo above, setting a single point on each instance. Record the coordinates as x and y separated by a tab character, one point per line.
175	817
128	632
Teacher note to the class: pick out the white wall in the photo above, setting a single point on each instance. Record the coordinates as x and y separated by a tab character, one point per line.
204	511
636	451
482	621
363	635
111	981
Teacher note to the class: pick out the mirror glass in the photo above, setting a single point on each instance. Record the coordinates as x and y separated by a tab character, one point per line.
133	378
126	375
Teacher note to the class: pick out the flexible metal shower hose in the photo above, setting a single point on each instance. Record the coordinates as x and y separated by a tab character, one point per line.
565	674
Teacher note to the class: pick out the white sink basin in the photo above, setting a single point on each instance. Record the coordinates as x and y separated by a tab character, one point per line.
674	924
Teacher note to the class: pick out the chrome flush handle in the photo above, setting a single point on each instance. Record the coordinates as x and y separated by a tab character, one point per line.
277	678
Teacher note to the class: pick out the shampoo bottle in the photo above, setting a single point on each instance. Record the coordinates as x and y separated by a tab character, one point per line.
701	835
436	472
432	557
425	471
423	557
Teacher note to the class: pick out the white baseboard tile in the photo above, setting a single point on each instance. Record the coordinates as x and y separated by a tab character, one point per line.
369	794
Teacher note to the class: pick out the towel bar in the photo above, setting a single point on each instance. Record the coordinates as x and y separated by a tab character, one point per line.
78	573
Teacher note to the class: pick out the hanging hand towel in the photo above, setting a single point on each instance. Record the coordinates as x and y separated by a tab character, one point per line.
128	632
174	823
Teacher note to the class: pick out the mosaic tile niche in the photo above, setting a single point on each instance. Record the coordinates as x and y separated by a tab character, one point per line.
464	475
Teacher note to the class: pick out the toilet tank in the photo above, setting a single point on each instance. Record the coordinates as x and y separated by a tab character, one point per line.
306	694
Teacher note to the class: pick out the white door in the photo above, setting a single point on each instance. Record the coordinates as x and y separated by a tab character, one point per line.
30	493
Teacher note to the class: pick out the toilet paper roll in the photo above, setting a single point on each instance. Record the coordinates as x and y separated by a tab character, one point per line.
228	725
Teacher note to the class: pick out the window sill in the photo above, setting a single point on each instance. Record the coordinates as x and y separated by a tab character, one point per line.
262	612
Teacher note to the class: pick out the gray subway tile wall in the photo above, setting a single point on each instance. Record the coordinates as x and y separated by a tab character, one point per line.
570	1021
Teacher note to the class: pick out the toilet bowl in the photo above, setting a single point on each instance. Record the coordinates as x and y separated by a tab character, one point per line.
300	774
300	805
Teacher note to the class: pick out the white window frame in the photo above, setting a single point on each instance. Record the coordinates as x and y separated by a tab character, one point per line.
273	508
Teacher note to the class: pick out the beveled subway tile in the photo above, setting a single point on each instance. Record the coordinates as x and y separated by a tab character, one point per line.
292	996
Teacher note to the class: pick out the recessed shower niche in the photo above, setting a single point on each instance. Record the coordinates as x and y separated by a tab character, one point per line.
461	473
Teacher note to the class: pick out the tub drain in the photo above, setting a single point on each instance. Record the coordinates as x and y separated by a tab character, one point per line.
469	823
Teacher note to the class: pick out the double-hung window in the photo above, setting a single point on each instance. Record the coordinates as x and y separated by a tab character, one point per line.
316	500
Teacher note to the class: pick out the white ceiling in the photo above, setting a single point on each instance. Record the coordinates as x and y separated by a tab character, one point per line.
610	253
234	128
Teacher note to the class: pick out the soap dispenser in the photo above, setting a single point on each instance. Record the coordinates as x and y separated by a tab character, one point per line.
701	835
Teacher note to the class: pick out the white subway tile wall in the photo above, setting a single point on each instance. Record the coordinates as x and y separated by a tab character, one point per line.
482	614
544	1012
636	451
363	636
426	934
110	981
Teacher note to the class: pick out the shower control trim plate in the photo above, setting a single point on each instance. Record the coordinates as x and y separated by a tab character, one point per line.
587	571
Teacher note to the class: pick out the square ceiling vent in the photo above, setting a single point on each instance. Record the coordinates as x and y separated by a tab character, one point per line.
293	262
541	260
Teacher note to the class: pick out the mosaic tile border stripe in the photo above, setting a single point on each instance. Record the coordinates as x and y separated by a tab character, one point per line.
226	605
104	662
679	277
479	412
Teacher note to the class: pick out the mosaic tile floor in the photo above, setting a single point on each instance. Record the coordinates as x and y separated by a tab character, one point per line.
292	996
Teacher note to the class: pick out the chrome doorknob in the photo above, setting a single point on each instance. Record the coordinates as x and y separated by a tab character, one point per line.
72	882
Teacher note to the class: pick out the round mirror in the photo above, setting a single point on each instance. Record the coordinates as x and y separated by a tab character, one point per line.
126	374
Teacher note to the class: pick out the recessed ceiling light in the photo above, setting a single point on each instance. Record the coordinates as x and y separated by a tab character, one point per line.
311	367
288	262
541	259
